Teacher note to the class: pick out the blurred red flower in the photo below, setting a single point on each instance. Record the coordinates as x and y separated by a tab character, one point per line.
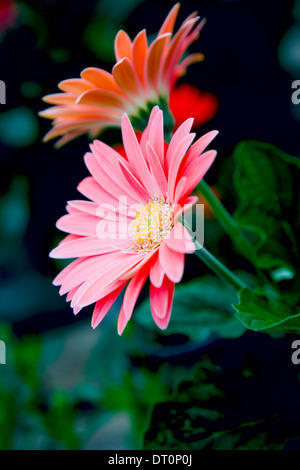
208	211
187	101
8	14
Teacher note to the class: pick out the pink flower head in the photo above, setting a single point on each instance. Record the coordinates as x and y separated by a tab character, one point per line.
130	227
142	77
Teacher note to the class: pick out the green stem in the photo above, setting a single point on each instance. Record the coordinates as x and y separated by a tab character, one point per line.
230	225
218	268
215	265
233	230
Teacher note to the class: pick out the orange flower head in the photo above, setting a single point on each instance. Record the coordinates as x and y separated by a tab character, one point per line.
141	78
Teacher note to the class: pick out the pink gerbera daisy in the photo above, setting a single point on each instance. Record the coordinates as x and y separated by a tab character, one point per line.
141	78
130	227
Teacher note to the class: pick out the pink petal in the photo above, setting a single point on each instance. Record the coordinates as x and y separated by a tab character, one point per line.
145	134
93	290
157	170
180	134
172	262
137	187
196	170
84	206
103	306
180	240
112	182
133	290
183	205
180	187
89	188
122	321
70	238
62	275
89	268
199	146
76	310
71	293
78	224
177	157
156	273
88	246
156	136
161	300
135	156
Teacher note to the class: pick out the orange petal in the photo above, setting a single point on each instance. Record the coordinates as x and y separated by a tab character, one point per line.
191	59
139	53
123	46
169	22
126	78
101	79
77	111
190	17
175	52
75	86
155	59
69	136
60	98
82	125
102	98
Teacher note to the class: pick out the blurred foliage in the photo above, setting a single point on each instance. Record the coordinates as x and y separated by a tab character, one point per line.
267	181
288	52
34	290
262	313
197	417
202	310
55	393
76	388
19	127
14	212
100	33
29	419
289	47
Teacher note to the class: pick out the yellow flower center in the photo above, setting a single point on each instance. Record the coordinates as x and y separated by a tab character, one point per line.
151	225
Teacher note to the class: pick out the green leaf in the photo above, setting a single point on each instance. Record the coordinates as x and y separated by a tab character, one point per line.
226	409
261	313
267	181
201	309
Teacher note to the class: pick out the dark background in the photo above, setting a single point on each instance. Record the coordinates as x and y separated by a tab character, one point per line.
249	66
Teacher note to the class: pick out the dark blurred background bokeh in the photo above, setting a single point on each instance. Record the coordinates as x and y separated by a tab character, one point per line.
88	389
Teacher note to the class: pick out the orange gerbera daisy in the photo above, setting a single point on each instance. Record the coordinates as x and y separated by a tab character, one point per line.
142	77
